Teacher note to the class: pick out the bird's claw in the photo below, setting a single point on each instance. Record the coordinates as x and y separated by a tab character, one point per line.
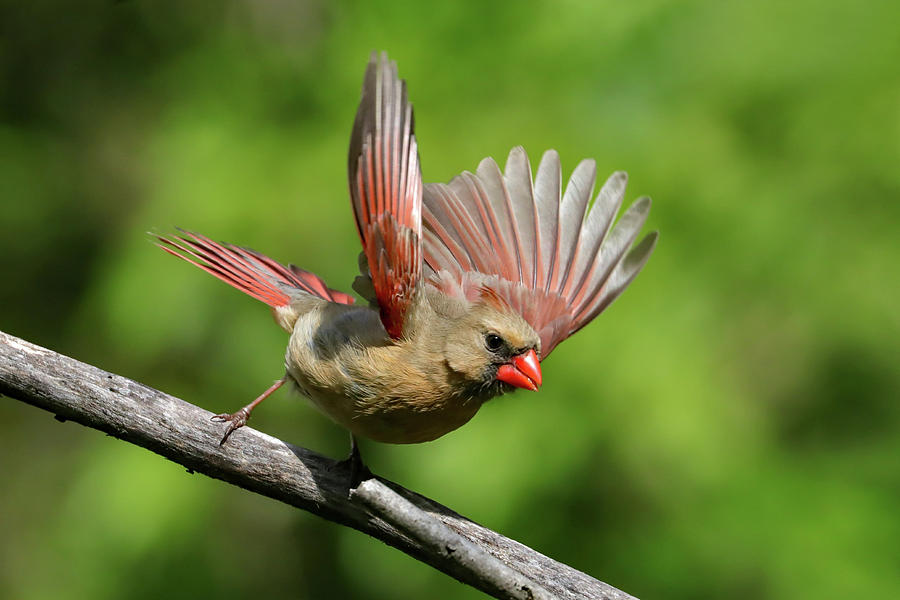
359	472
235	420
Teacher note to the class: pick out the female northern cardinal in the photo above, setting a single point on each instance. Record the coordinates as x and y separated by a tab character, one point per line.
461	310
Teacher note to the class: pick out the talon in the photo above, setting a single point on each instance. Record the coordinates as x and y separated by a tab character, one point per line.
238	419
359	472
228	432
235	421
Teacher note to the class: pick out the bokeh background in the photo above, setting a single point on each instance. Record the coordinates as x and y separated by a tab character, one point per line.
728	429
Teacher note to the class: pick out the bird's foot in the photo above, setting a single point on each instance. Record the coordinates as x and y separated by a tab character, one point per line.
359	472
238	419
235	421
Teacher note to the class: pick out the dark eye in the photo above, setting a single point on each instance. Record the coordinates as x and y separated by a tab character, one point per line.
493	342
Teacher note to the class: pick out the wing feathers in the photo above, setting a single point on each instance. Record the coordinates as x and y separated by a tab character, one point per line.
612	252
386	190
491	180
547	186
545	253
599	220
572	211
622	276
517	179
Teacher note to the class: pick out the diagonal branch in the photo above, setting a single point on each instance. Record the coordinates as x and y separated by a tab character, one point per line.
260	463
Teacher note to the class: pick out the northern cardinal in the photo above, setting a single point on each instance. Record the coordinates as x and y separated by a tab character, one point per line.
470	284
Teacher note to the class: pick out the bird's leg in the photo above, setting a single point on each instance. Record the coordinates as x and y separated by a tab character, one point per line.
358	469
239	418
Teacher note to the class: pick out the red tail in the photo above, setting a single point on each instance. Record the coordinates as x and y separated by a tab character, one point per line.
249	271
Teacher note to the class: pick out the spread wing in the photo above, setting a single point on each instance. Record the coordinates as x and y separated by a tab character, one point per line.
386	191
553	258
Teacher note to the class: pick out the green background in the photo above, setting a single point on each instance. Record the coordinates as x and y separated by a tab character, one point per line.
728	429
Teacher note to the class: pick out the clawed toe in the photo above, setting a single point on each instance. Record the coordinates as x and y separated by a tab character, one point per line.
359	472
231	427
238	419
235	421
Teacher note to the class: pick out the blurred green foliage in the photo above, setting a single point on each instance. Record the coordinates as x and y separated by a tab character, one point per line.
728	429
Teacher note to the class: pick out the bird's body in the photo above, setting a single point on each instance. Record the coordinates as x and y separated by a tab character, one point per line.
469	284
410	390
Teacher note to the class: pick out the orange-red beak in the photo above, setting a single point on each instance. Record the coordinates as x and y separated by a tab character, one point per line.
523	371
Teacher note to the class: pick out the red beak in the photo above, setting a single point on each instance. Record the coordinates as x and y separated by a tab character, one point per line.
523	371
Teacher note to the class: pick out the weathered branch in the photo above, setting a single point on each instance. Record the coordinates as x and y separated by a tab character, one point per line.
437	538
183	433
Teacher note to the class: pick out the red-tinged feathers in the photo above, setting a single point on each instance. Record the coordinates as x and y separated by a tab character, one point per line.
393	287
386	191
490	297
249	271
553	260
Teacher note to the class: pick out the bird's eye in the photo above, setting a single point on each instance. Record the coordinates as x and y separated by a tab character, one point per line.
493	342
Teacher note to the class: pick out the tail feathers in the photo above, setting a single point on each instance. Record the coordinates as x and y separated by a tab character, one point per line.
249	271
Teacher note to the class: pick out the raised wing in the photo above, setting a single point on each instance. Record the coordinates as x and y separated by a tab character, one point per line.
550	256
386	191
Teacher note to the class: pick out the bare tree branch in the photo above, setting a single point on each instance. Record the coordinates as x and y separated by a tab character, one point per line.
437	538
183	433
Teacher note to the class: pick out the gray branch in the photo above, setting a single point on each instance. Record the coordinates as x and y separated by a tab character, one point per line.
183	433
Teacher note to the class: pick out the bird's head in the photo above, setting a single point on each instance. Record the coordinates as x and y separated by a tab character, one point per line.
495	348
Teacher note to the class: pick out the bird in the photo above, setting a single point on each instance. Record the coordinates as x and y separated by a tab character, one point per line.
468	285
